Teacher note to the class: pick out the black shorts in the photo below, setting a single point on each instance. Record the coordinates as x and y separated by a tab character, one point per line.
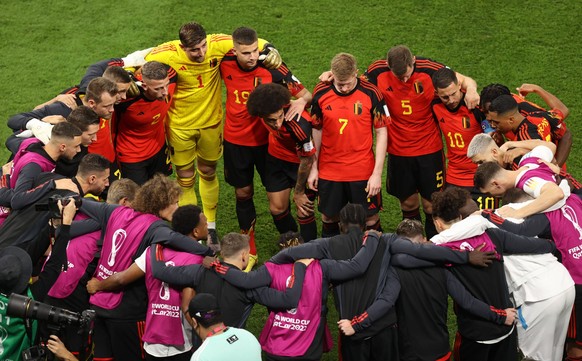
240	162
575	326
333	196
279	174
408	175
484	201
120	339
141	172
504	350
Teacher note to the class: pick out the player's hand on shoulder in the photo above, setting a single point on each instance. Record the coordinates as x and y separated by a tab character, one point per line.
270	57
480	258
472	98
69	100
66	183
326	77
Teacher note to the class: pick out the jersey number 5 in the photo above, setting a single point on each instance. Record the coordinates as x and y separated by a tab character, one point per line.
344	123
406	107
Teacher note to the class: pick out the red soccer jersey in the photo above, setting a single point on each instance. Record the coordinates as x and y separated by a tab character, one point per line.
527	108
292	140
412	130
458	128
240	127
104	143
141	125
347	122
540	125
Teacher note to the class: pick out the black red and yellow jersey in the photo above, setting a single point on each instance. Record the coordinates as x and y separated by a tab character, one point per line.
347	122
240	127
458	127
413	130
141	125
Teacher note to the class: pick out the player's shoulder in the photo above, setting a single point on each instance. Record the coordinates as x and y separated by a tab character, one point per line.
218	38
369	88
426	65
379	66
168	47
321	88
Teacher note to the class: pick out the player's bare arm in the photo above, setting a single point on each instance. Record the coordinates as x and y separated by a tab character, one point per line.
303	204
470	87
375	180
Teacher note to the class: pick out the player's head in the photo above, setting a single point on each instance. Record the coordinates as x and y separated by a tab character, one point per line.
447	87
101	96
235	247
344	68
155	81
484	149
246	47
489	178
93	173
447	205
411	229
515	195
158	196
190	221
122	80
489	94
267	101
352	215
205	312
88	121
66	138
193	41
122	192
290	239
469	208
504	114
401	62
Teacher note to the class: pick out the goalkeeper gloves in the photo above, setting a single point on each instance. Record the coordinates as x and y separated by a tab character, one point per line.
137	58
39	129
270	57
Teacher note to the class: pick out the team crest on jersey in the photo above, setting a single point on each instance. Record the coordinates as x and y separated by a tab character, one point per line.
466	122
418	88
358	108
213	62
258	81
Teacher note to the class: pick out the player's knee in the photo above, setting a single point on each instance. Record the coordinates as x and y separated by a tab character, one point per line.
410	203
244	193
207	170
426	206
185	171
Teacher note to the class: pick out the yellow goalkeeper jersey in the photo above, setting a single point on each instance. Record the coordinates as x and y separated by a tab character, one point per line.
197	100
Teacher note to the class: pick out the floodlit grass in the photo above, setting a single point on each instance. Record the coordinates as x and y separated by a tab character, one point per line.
46	45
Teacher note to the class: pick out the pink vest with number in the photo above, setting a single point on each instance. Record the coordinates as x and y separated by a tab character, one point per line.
123	236
80	252
291	332
163	318
567	234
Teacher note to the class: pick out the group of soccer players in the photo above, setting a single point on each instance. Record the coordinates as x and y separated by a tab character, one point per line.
158	110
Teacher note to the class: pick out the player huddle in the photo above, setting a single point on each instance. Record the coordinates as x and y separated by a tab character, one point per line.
133	121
